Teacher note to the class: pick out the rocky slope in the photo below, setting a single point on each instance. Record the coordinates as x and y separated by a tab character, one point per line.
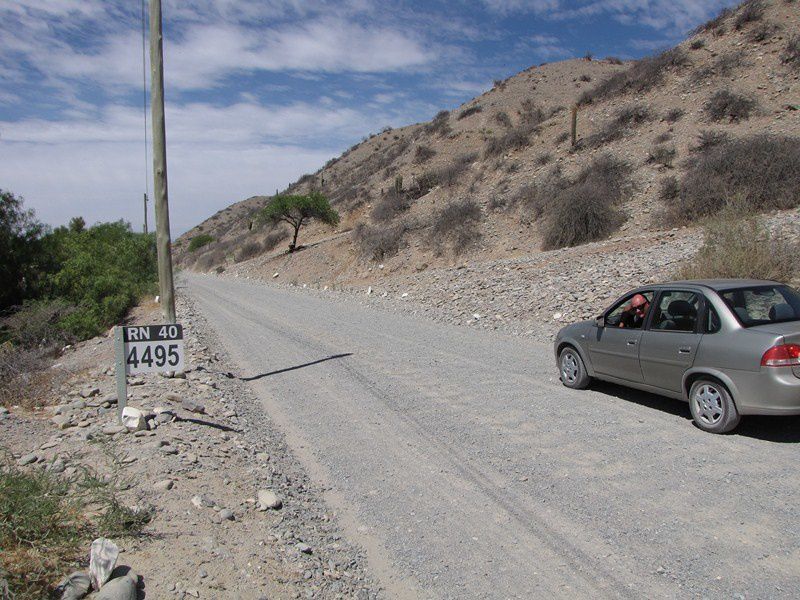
494	147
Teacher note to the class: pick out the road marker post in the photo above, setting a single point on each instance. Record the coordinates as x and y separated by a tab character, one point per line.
119	367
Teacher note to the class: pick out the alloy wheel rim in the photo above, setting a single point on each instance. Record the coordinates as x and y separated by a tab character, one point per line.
569	367
708	403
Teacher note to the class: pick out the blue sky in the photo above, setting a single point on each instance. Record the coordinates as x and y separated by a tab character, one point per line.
260	91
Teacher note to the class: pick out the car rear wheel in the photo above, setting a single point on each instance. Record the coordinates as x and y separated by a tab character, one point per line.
712	406
572	370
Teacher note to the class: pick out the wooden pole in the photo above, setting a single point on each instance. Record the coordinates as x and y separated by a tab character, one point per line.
163	245
574	124
145	213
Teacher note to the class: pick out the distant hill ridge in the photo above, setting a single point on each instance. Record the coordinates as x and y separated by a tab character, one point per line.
661	142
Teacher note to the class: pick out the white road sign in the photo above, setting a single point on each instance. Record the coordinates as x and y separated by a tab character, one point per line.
153	348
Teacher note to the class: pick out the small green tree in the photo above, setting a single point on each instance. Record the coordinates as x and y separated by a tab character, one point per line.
297	211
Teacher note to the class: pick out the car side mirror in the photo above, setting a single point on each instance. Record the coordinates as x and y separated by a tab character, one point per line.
600	321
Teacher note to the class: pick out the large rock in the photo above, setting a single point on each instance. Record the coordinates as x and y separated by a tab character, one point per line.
75	586
193	406
62	421
120	588
268	500
133	419
102	560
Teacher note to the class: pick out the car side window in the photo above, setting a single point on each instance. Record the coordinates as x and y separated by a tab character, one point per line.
625	314
713	323
676	311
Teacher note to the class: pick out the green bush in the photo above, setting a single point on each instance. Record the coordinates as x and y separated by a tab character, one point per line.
103	271
21	255
199	241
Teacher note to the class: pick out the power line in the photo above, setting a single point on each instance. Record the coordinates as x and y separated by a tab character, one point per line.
144	114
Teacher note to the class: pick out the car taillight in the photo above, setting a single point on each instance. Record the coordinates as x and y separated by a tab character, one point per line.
784	355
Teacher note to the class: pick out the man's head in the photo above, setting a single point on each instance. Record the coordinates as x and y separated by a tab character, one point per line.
639	304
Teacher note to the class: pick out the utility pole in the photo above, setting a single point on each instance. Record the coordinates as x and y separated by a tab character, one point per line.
160	164
145	213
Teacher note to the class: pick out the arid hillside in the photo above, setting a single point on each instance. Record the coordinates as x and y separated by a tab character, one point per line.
662	143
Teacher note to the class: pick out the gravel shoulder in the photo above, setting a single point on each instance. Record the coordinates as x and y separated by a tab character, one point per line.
467	470
200	466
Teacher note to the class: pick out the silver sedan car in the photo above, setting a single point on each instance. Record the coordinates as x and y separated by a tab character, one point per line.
728	347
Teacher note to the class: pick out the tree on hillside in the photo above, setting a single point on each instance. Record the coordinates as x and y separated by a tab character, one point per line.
20	250
297	211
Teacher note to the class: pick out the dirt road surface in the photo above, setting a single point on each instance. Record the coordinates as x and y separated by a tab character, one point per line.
458	461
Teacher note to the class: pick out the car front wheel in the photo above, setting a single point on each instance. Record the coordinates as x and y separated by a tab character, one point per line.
712	406
572	370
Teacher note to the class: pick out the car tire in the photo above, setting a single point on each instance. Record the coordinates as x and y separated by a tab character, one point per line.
571	369
712	406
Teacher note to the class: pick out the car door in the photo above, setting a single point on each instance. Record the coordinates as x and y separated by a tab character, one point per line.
614	350
670	342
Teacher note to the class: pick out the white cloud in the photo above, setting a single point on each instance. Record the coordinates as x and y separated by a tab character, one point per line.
505	7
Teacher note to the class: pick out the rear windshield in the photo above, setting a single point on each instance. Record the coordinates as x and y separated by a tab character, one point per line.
763	304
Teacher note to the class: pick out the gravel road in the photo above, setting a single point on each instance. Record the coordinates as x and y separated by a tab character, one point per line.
459	462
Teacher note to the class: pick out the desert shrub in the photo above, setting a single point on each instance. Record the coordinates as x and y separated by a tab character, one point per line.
626	119
503	119
723	66
450	174
586	208
641	76
674	115
273	238
588	56
248	251
467	112
613	60
725	104
585	78
715	25
530	113
697	44
662	138
379	242
440	124
763	31
742	248
391	205
753	174
210	259
199	241
749	12
670	189
514	139
544	159
423	154
24	377
709	138
422	184
791	54
562	137
662	155
455	227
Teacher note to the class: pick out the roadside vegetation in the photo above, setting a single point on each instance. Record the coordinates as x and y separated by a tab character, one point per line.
47	520
199	241
742	247
751	174
62	285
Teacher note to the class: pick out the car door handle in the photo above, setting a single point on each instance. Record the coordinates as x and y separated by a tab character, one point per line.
685	350
631	342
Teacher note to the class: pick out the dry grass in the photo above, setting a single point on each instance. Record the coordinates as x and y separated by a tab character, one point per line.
791	54
749	12
391	205
423	154
736	247
627	119
514	139
663	155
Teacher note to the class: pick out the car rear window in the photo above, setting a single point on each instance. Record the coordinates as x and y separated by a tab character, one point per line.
763	304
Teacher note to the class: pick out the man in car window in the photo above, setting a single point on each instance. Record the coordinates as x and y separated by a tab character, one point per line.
633	316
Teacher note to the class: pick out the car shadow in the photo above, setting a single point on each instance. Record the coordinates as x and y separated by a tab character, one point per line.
782	430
